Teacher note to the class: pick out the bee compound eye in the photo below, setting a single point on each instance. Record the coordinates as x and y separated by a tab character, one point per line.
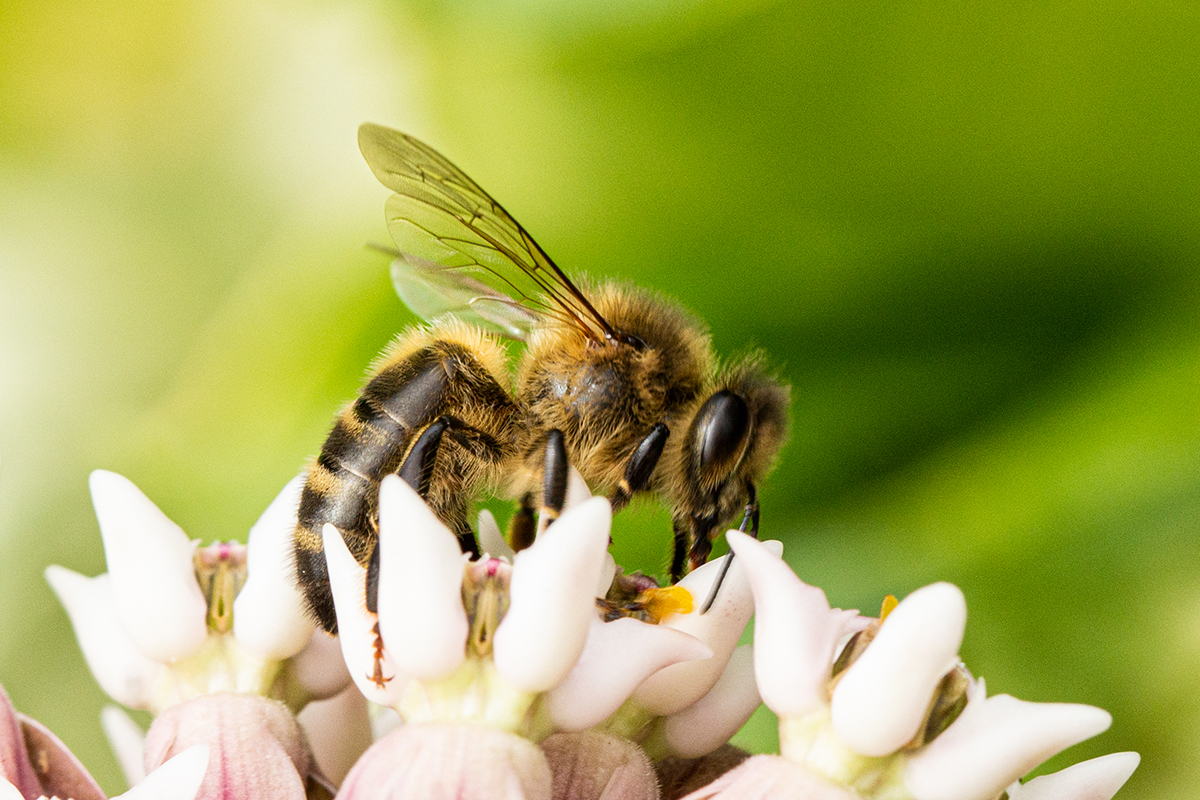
720	432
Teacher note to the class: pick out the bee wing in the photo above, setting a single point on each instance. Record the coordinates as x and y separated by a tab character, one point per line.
432	290
473	258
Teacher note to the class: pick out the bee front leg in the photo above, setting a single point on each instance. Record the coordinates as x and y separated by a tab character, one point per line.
640	467
749	525
554	479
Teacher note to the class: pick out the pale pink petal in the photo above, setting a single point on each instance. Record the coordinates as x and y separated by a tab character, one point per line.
269	617
320	667
153	577
122	671
435	761
420	585
617	657
709	723
58	770
338	731
994	743
552	598
127	740
676	687
880	703
1097	779
256	747
795	631
348	583
14	758
770	778
177	779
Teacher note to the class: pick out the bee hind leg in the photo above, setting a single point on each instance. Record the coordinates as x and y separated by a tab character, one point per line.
417	469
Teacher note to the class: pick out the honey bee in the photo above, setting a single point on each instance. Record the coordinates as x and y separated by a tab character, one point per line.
618	381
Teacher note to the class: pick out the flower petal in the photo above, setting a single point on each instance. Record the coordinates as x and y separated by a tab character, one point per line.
491	541
421	610
348	583
795	631
617	657
770	778
708	723
127	740
269	617
880	703
1097	779
435	760
8	791
995	742
597	766
122	671
676	687
552	598
58	771
14	758
177	779
320	667
153	576
255	745
338	730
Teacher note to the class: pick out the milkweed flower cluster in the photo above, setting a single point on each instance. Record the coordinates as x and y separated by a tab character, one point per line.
547	673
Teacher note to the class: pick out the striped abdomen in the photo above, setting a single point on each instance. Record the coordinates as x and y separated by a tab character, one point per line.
425	378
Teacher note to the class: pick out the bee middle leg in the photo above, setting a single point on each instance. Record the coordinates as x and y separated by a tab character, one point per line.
640	467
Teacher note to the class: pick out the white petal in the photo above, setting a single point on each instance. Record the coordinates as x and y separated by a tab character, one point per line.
348	582
118	665
127	740
996	742
713	719
319	667
269	619
420	585
677	687
618	656
577	489
880	703
150	561
553	599
338	730
8	791
607	573
491	541
177	779
1098	779
795	631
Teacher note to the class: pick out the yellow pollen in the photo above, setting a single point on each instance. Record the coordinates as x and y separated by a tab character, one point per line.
662	603
889	604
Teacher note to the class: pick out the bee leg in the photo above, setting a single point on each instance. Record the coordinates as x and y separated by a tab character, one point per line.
554	479
417	471
376	677
640	467
749	525
680	548
522	525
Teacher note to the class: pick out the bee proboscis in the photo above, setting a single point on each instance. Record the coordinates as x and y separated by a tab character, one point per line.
617	381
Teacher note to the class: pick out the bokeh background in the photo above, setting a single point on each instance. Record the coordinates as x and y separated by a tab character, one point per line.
966	234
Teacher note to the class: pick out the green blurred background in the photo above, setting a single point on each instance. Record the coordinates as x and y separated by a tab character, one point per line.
966	233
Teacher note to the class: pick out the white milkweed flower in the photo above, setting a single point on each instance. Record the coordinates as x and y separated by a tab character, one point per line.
213	641
896	716
532	645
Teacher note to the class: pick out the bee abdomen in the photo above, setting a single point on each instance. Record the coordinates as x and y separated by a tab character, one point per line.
369	440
